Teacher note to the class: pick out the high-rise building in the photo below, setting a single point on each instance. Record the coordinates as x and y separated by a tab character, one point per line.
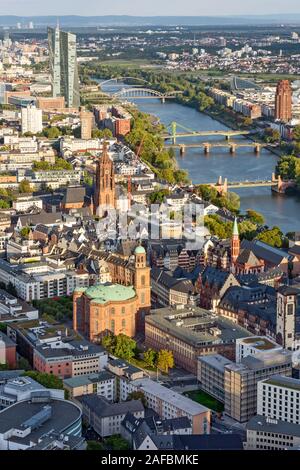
32	119
86	118
63	65
104	197
283	101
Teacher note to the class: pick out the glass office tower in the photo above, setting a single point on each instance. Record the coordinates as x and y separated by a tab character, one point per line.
63	66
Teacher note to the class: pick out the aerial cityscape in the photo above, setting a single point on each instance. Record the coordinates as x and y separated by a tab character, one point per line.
149	229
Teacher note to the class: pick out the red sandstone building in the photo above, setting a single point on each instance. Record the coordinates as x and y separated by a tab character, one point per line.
104	197
115	308
283	101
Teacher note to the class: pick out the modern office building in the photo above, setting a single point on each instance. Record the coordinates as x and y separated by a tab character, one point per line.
279	398
240	381
210	374
270	434
283	101
32	119
63	65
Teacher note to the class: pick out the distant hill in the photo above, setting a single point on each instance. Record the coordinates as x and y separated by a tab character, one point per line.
85	21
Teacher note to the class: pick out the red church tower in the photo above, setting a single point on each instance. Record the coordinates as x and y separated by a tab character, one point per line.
104	197
235	243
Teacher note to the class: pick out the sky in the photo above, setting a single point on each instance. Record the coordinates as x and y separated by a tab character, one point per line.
147	7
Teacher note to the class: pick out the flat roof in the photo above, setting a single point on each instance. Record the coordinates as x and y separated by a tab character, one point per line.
260	343
196	326
63	414
216	361
263	424
79	381
170	396
282	381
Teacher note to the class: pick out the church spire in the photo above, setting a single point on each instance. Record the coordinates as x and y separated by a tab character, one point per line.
235	243
235	228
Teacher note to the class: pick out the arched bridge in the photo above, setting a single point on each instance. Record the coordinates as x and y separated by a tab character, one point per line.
115	80
145	93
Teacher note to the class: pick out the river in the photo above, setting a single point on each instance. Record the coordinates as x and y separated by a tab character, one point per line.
278	210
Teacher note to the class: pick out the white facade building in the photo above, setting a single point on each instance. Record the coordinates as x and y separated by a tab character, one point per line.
279	398
32	119
254	345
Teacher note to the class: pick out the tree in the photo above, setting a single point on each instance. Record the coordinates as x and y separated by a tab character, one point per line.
3	327
165	360
23	364
121	345
137	395
150	357
47	380
125	347
88	179
24	187
255	217
117	442
273	237
24	232
94	445
52	132
108	342
296	133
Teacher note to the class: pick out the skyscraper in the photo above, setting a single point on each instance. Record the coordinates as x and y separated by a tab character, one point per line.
63	65
283	101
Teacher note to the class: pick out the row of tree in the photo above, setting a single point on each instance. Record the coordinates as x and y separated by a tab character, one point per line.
126	348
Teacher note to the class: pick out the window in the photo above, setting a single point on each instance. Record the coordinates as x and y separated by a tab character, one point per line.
112	326
123	324
143	280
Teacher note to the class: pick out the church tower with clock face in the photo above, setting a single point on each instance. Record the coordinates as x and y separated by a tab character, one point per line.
104	197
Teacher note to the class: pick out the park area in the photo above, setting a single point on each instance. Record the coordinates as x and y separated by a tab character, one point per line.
206	400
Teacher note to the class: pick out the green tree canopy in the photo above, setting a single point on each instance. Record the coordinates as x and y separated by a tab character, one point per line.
165	360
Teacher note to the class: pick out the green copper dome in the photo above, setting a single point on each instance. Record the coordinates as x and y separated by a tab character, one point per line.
103	293
139	250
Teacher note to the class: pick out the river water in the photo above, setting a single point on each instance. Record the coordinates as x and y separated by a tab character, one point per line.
282	211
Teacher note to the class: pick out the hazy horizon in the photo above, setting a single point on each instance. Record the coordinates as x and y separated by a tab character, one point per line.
213	8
